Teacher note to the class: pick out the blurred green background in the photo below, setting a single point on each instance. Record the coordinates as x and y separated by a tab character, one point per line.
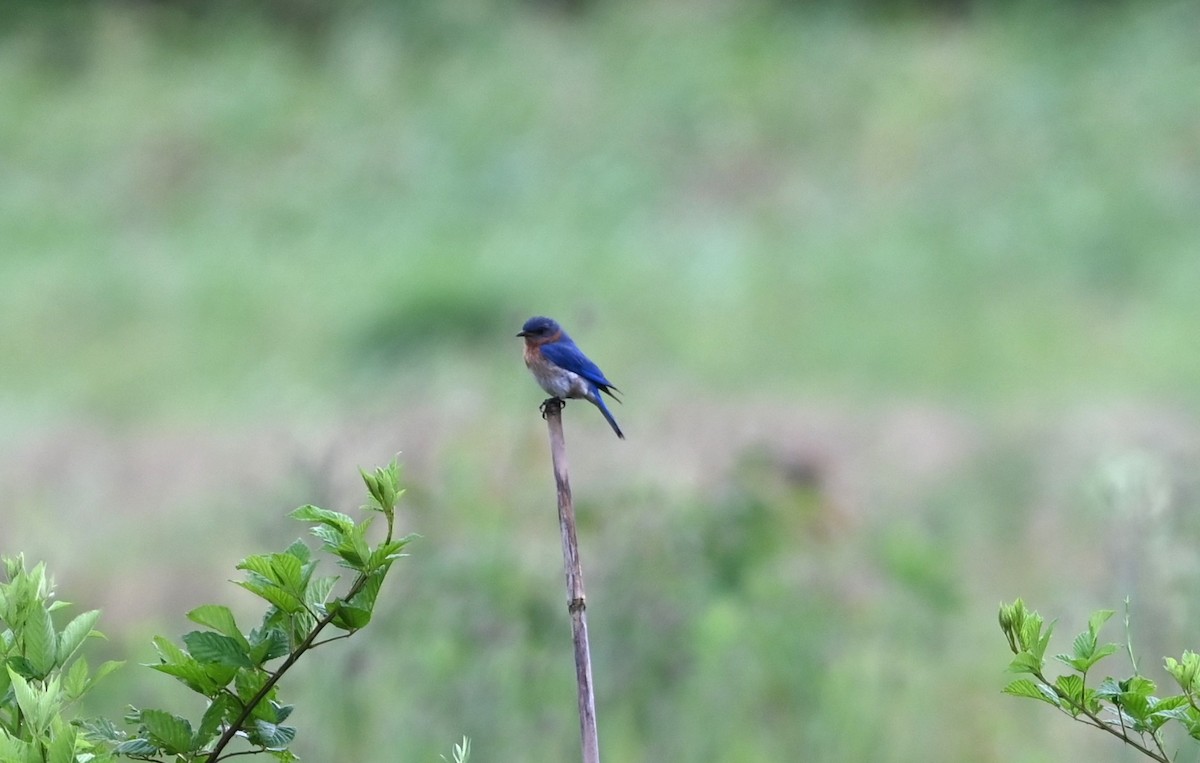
903	298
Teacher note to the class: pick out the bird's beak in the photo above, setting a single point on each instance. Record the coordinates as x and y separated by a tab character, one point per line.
522	333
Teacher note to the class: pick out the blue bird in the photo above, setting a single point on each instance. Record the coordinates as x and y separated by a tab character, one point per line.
562	369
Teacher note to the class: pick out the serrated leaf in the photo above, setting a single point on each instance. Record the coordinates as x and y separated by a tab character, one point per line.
1135	707
168	652
74	633
330	537
319	590
288	573
100	730
1109	688
62	744
274	595
169	732
300	550
1098	618
41	643
27	699
282	711
1085	645
106	667
248	683
22	667
220	711
1023	687
1175	708
137	748
1070	687
220	619
1025	663
268	644
349	618
1040	643
259	567
205	679
1072	662
384	554
209	647
75	680
1104	651
270	735
334	519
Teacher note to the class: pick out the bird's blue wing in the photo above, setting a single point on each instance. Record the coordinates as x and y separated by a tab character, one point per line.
567	355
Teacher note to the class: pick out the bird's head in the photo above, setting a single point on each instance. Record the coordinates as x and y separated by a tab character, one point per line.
539	330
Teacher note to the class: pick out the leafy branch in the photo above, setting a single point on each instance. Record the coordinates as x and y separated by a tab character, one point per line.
1126	709
229	667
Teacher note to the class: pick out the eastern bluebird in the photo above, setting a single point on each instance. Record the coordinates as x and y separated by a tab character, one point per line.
562	369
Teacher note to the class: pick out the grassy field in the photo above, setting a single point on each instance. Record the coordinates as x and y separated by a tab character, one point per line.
905	313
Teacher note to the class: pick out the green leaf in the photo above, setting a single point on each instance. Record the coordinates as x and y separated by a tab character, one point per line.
1139	685
169	653
1085	645
1185	671
1137	708
169	732
288	573
248	684
220	619
334	519
100	730
221	711
282	711
319	590
74	634
75	680
27	699
106	667
137	748
1070	687
199	678
268	644
270	735
384	487
1037	638
1023	687
209	647
22	666
62	744
331	537
349	618
1175	708
1104	651
300	550
385	554
1025	663
41	643
1098	618
274	595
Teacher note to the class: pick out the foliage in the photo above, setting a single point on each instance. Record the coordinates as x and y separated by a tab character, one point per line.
1127	708
44	673
235	670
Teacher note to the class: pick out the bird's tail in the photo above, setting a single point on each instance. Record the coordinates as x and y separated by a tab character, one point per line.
598	400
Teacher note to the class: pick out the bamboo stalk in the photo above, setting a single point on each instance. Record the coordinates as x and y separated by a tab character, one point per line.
576	606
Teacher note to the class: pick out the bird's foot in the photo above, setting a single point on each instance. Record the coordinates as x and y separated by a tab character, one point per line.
555	401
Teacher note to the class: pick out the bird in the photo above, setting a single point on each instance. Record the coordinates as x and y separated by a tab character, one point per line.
562	369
